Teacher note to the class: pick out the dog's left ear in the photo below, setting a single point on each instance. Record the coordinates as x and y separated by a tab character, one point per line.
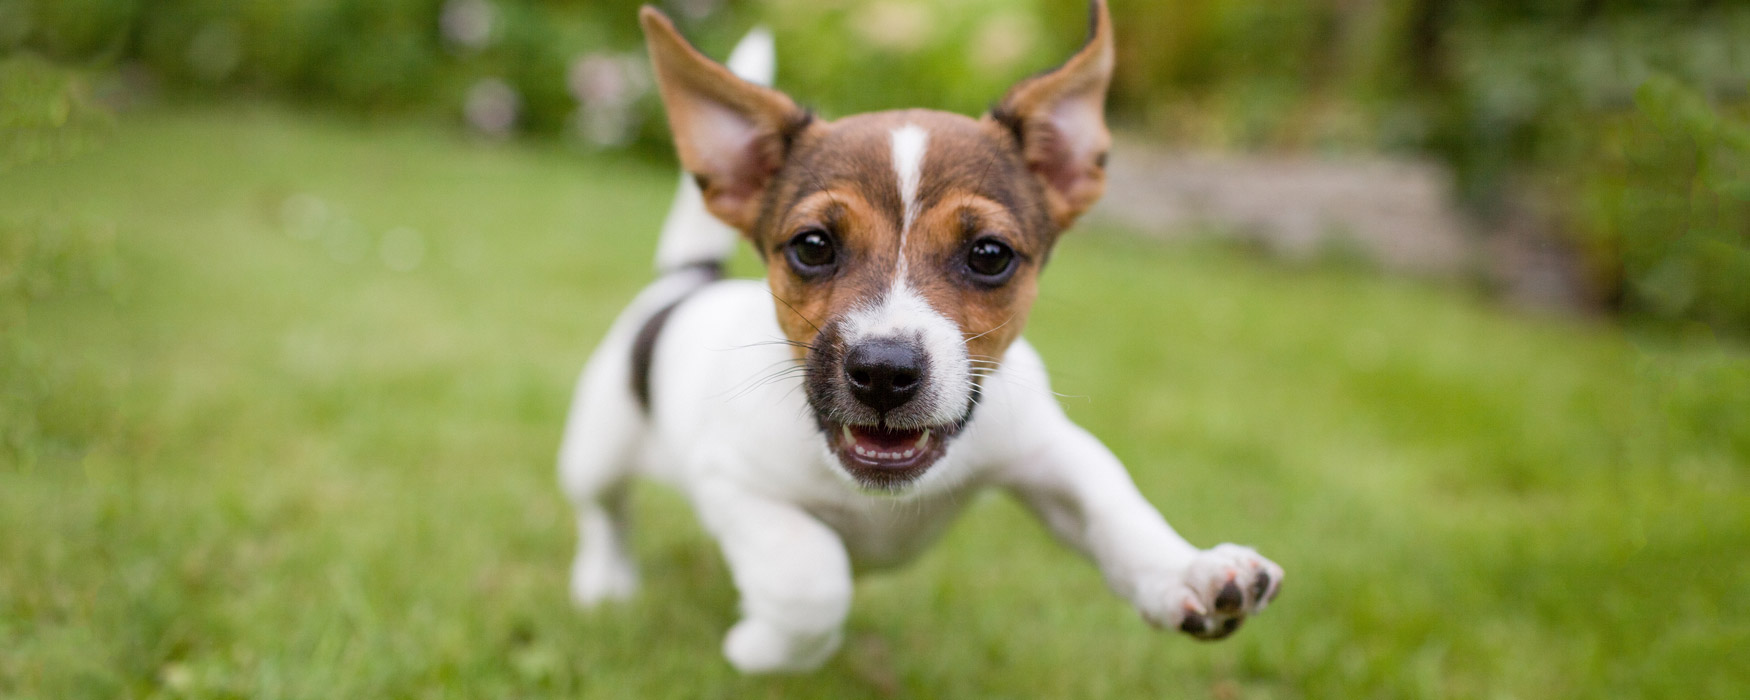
1059	118
731	134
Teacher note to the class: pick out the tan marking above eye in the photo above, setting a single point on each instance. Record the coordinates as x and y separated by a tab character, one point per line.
941	228
838	210
814	210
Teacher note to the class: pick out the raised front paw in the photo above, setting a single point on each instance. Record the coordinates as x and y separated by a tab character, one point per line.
1218	590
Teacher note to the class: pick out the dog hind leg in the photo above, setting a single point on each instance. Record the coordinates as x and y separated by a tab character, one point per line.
607	422
596	461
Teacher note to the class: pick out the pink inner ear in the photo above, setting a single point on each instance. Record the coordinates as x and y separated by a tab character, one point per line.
734	159
1078	136
1073	137
723	141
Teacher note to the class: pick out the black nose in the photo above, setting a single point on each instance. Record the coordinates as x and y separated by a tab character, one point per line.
884	374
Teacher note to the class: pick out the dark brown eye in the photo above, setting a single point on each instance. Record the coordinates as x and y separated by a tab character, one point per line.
990	261
812	252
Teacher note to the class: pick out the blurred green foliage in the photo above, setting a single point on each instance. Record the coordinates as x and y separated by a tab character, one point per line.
46	112
1669	198
1599	106
44	398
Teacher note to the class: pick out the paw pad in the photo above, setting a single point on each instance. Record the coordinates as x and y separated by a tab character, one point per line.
1224	586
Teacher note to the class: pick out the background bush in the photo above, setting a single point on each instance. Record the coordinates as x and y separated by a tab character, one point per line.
1604	108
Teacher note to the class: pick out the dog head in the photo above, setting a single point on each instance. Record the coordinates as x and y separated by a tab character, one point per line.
902	247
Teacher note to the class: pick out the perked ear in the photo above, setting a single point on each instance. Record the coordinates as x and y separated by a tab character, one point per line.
1060	119
731	134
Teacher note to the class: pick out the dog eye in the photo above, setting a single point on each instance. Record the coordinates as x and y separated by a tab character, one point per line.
812	252
990	261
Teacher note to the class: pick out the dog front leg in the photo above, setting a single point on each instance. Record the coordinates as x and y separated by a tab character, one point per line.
793	575
1086	497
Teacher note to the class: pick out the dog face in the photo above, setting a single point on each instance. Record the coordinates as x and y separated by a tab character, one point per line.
902	247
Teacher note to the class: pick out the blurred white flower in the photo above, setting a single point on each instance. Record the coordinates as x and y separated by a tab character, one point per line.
468	23
1002	41
596	77
402	249
894	25
605	78
177	677
492	107
604	127
606	86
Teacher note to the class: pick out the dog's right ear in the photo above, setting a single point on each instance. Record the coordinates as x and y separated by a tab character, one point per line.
1059	119
731	134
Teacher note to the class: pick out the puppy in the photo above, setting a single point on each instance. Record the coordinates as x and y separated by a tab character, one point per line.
880	361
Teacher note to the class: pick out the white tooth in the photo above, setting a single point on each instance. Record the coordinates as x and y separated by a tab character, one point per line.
925	440
910	453
862	451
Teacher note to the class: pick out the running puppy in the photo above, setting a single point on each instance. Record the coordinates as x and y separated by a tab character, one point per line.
880	360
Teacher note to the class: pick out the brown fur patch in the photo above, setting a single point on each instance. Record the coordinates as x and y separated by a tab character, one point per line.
973	184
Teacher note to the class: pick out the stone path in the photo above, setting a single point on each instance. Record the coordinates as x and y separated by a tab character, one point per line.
1398	213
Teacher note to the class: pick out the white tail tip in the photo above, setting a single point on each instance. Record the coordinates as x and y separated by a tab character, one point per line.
754	58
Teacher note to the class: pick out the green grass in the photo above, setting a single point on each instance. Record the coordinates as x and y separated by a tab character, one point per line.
241	456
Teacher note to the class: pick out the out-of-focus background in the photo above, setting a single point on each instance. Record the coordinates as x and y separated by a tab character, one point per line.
1443	305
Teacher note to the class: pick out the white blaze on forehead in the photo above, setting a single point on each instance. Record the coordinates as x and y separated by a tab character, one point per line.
909	143
905	315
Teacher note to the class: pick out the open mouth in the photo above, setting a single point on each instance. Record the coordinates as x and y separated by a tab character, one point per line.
885	456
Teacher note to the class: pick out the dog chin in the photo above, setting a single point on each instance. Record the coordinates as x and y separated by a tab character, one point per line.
884	458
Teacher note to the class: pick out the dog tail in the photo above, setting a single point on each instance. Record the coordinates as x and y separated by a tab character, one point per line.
692	237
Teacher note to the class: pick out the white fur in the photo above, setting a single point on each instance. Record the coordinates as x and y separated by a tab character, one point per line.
691	234
749	458
909	143
754	58
904	314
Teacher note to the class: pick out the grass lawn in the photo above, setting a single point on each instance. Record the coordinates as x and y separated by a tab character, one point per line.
279	398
